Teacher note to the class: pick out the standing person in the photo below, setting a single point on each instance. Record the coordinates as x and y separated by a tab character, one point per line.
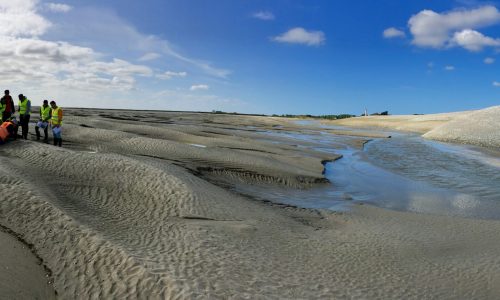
56	122
24	114
2	109
7	106
43	122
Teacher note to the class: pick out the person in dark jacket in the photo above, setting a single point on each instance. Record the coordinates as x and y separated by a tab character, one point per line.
7	106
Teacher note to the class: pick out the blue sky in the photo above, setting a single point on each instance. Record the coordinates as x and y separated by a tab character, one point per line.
283	56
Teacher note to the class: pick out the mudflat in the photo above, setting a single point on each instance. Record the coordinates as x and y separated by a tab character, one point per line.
138	204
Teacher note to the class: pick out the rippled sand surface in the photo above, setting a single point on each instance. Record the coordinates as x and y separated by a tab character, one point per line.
139	205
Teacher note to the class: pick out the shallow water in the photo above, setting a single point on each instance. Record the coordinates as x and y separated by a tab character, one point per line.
410	173
405	173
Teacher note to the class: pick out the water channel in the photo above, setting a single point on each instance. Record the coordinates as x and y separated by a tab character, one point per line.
405	172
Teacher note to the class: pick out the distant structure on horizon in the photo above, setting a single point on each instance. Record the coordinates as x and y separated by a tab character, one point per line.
366	112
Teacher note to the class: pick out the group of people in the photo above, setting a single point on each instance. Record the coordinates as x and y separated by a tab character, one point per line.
50	116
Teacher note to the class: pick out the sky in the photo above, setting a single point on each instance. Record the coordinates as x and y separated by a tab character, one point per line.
254	56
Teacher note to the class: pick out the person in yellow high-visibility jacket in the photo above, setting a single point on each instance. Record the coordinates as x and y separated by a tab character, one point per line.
24	114
43	122
2	109
56	123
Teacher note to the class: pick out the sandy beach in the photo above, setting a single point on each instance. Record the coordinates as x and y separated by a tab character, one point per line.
139	204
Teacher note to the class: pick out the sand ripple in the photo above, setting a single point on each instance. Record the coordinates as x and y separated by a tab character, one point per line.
137	219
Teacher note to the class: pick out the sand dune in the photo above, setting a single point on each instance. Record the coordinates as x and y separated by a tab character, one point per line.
131	209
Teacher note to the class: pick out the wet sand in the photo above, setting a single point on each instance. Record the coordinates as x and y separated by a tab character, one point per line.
138	205
22	275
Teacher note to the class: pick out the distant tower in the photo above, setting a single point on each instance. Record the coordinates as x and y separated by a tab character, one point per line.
366	112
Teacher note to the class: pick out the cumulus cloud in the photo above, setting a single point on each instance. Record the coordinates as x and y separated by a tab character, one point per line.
454	28
149	56
75	61
496	83
29	59
392	32
45	51
49	63
199	87
449	68
473	41
264	15
19	18
489	60
57	7
299	35
169	75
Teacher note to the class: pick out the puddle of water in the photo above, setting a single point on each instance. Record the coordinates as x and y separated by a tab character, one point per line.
198	145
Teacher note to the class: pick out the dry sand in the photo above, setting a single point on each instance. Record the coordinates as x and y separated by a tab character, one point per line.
481	127
478	127
136	205
410	123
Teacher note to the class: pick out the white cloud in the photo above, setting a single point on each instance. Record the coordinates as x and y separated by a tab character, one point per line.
435	30
119	67
473	40
430	65
449	68
496	83
46	63
19	18
29	59
57	7
199	87
299	35
392	32
205	66
169	75
149	56
264	15
489	60
111	33
43	58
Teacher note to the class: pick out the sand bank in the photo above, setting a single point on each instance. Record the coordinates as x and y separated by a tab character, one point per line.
479	127
132	209
410	123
